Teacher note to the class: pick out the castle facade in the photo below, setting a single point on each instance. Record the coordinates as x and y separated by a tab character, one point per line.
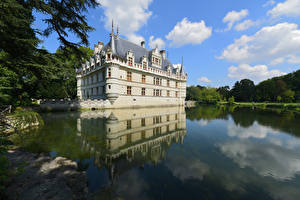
128	75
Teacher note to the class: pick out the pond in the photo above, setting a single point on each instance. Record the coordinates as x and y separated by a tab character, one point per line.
206	152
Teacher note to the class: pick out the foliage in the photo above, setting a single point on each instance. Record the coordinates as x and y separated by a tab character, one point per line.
279	89
231	100
224	92
203	94
27	71
243	90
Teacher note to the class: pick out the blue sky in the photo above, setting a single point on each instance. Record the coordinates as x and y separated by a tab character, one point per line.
221	41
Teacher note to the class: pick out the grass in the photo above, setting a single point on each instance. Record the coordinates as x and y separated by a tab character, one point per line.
285	106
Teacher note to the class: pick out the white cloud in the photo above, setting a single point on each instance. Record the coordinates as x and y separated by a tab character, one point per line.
158	42
137	39
190	167
186	32
267	159
233	17
255	131
256	73
204	79
245	25
129	15
269	43
289	8
269	3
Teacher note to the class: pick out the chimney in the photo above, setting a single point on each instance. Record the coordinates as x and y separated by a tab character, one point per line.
163	54
100	46
143	44
95	48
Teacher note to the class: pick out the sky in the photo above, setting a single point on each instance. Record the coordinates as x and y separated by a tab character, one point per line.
220	41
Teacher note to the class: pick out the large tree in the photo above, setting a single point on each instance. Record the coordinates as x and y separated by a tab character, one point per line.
22	63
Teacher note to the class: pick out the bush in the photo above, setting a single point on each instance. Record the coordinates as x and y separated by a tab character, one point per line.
231	100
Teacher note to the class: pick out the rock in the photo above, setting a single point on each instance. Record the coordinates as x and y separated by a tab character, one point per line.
45	178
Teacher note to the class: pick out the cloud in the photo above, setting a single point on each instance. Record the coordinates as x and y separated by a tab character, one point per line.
269	43
233	17
245	25
186	32
294	59
129	15
269	3
204	79
156	42
267	159
289	8
190	167
255	131
256	73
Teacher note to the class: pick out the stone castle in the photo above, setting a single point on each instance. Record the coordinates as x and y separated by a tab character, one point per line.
123	74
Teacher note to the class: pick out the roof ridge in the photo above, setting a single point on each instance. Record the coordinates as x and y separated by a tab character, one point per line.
134	44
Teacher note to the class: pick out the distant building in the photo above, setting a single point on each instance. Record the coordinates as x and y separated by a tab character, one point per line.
129	75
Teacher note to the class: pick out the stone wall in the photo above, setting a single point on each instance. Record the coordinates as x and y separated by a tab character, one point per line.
121	102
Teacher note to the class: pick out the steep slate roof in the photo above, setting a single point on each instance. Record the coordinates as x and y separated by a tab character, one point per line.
121	47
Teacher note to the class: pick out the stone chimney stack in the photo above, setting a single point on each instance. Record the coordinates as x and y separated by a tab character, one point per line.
163	54
98	47
95	48
143	44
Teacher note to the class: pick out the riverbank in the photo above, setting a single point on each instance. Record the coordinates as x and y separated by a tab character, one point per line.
264	105
38	176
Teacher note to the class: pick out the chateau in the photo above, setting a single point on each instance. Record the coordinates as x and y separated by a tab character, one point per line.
124	74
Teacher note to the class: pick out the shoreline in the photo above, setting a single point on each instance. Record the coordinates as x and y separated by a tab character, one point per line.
39	176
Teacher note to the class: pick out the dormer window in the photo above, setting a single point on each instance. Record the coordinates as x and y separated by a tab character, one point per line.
130	61
108	56
144	65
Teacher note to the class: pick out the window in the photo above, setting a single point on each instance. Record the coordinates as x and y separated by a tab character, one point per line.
153	80
143	78
92	93
153	92
176	116
103	75
129	76
109	72
128	140
168	83
97	91
176	94
160	93
157	81
168	93
108	56
130	61
157	92
143	91
168	118
143	122
128	90
128	124
143	134
144	65
176	85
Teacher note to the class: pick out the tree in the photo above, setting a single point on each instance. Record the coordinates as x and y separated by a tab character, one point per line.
243	90
288	96
224	92
23	64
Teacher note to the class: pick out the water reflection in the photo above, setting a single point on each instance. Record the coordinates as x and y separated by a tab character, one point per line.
130	137
206	152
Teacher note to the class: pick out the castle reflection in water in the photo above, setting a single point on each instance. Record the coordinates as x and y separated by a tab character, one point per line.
124	138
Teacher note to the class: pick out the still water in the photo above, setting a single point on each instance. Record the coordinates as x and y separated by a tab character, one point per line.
171	153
